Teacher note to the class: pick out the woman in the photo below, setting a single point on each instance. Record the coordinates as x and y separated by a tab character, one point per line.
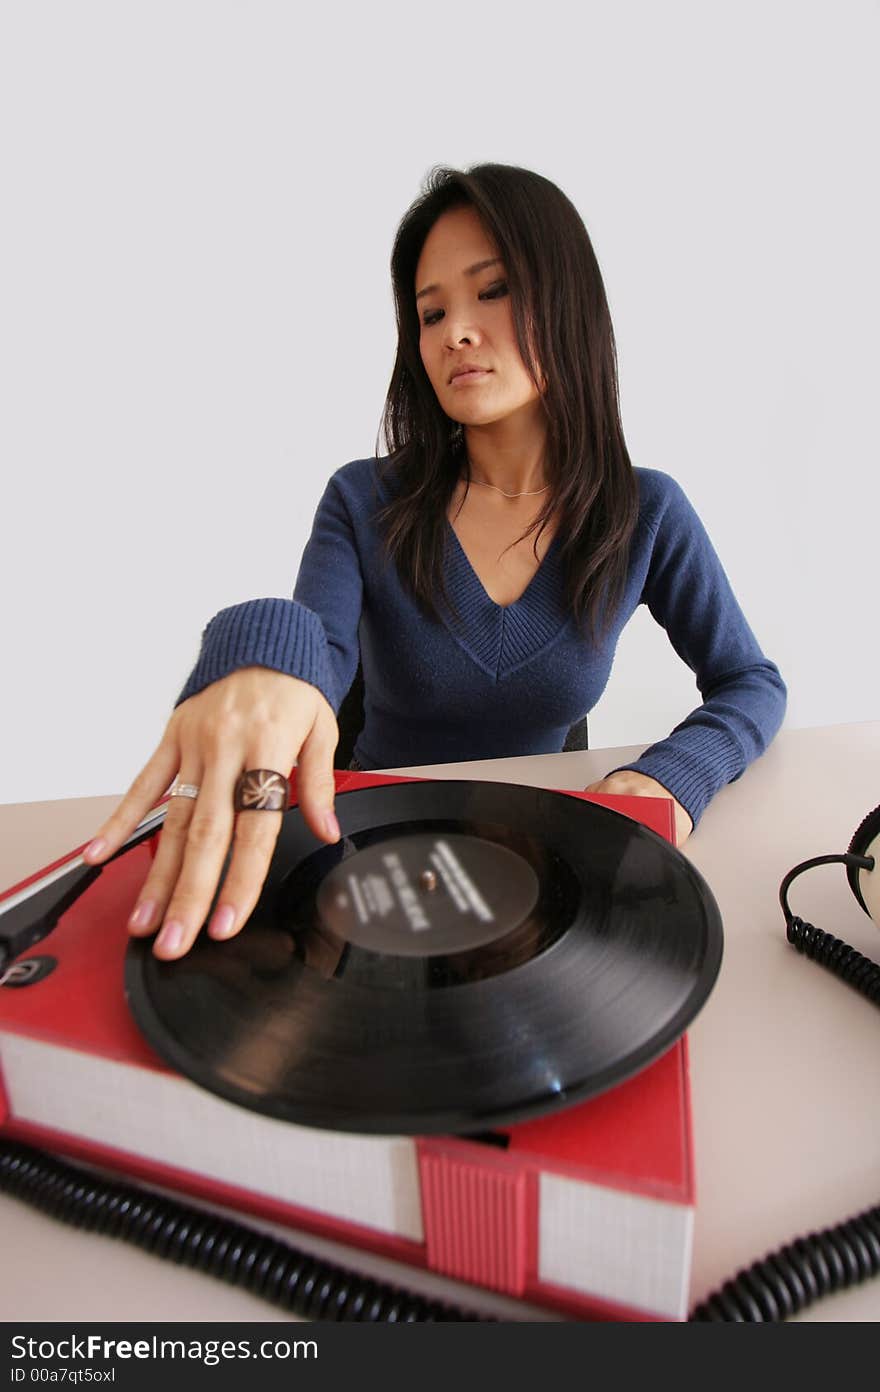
481	573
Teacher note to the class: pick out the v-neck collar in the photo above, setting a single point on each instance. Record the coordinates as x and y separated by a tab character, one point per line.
502	637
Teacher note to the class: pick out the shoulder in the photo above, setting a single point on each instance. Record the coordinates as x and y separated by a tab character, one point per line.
362	483
669	527
358	477
667	517
661	499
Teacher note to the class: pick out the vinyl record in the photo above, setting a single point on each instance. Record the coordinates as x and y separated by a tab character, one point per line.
469	955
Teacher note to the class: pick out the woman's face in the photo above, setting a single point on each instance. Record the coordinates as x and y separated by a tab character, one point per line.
467	338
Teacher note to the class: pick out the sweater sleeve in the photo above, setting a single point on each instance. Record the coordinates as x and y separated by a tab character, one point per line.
314	635
743	693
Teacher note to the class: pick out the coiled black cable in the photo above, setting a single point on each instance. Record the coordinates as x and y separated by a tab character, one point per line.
789	1280
306	1285
841	959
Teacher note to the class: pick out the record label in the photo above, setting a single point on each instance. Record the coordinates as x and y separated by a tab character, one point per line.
421	895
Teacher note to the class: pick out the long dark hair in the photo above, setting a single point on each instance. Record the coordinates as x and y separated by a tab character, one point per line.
564	333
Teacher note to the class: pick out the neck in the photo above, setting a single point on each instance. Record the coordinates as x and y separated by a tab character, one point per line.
507	457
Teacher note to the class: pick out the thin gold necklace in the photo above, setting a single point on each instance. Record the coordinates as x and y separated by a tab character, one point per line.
530	493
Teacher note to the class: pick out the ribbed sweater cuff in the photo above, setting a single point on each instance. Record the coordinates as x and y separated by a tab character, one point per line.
276	633
692	764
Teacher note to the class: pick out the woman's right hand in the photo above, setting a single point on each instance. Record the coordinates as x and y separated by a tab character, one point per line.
253	719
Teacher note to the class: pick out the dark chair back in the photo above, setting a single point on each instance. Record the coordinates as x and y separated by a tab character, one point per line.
350	719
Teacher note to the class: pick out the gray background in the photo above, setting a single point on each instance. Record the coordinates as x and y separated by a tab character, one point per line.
196	324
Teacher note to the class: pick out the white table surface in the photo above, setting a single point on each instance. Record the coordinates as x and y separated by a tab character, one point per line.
785	1082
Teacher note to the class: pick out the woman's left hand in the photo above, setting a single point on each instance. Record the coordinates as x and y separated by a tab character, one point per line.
629	783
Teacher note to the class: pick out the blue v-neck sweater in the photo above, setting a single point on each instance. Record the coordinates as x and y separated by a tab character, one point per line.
504	680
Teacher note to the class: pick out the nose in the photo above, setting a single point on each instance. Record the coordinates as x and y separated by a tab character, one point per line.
459	331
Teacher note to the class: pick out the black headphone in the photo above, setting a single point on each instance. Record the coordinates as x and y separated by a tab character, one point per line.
861	858
864	881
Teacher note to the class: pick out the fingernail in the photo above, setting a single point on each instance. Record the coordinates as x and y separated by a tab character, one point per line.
143	915
222	923
95	848
171	936
332	826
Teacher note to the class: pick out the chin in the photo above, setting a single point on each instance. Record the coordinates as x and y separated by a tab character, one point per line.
477	414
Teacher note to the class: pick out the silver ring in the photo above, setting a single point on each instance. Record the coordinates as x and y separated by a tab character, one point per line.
190	790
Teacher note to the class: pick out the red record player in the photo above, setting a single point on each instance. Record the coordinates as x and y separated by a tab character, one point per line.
587	1210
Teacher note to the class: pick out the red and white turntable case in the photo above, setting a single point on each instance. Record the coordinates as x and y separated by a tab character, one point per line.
588	1211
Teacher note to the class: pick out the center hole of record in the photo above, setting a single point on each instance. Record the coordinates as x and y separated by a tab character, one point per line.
427	894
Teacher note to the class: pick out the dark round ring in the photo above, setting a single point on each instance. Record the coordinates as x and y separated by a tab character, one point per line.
262	790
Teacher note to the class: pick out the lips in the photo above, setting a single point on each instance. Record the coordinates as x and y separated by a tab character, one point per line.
469	370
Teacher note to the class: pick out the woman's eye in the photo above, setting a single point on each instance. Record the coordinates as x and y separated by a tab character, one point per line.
496	291
432	316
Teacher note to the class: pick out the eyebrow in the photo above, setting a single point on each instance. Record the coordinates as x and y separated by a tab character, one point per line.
470	271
